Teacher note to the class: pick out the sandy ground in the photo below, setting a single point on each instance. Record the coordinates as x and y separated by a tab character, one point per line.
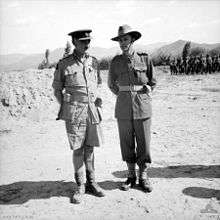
36	180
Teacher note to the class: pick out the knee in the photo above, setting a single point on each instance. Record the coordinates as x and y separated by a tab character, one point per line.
89	150
78	152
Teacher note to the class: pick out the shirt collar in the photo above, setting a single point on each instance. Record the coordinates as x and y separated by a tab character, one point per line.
79	57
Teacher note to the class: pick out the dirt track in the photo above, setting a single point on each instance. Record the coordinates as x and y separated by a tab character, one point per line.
37	176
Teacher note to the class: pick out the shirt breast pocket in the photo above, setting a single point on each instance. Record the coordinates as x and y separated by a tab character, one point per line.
141	74
74	76
71	79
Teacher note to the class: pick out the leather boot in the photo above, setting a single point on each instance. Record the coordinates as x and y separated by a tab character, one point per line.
91	186
80	191
144	181
131	180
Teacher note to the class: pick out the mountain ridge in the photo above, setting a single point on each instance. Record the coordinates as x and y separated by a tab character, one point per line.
19	61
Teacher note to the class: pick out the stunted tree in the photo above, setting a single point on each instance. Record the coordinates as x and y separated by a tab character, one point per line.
161	59
214	51
47	53
45	63
186	50
104	63
67	49
197	51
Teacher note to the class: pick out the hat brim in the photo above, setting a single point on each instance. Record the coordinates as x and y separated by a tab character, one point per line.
82	30
134	34
85	38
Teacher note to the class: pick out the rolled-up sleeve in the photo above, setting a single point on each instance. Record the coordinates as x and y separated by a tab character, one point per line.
58	81
112	78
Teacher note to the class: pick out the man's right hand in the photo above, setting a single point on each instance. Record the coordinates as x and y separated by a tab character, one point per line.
59	96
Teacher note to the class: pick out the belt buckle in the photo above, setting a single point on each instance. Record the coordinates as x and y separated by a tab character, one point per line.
132	88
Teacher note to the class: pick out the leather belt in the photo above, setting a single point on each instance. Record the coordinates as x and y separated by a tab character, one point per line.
132	88
75	98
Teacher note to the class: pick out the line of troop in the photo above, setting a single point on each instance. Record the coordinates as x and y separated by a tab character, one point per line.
203	64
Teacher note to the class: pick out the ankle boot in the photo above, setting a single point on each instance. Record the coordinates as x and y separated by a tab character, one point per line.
145	185
131	180
144	181
129	183
80	191
91	186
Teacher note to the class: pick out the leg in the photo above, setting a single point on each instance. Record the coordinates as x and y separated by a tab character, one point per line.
76	134
78	167
131	180
143	135
91	185
127	144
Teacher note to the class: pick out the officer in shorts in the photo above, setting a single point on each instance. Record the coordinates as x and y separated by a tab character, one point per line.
76	84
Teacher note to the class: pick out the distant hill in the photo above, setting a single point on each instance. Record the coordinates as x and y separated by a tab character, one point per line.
22	61
175	48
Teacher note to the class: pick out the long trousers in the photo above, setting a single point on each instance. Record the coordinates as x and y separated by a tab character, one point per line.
135	138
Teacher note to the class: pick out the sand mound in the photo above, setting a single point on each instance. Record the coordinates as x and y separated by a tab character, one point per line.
26	93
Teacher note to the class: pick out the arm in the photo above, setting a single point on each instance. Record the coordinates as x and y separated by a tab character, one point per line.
58	85
98	100
150	74
112	78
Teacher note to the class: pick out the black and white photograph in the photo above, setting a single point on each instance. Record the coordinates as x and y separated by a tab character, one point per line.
110	110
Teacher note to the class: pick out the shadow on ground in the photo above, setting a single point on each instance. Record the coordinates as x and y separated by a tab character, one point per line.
21	192
182	171
202	192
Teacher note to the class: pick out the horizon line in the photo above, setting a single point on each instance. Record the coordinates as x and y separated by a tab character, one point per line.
35	53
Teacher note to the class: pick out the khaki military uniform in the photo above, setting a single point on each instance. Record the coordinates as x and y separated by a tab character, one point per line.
79	83
133	108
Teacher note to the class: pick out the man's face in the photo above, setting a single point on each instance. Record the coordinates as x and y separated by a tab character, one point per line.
81	45
125	42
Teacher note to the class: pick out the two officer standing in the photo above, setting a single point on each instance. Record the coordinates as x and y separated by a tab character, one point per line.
76	84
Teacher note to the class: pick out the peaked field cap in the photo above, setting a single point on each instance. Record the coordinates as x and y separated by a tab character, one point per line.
126	29
81	34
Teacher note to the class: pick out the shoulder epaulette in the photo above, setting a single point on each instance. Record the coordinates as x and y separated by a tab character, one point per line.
94	59
64	58
140	53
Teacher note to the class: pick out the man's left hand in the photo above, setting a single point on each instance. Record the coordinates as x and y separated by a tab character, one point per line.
98	102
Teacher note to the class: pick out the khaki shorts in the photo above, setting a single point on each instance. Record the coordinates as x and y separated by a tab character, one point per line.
83	133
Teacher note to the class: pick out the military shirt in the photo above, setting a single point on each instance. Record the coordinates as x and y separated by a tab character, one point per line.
79	82
136	69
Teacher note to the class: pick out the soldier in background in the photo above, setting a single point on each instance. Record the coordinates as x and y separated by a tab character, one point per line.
208	64
215	63
76	82
180	65
184	65
202	64
173	67
218	67
197	65
191	65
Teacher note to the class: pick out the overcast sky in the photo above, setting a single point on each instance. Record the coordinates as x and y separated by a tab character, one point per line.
32	26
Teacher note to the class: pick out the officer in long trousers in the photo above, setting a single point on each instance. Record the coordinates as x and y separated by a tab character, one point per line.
131	80
76	84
